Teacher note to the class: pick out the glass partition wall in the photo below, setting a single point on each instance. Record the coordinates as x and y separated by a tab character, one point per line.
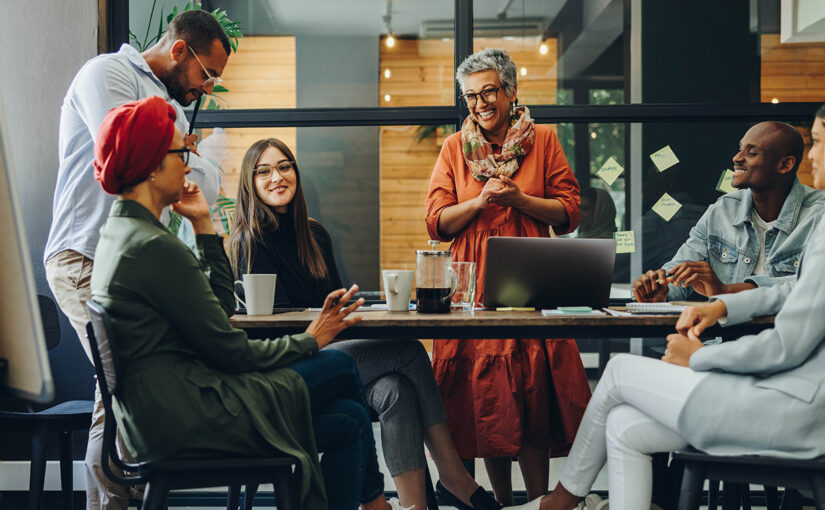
648	99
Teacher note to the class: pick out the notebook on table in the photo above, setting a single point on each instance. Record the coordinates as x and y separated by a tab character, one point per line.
548	272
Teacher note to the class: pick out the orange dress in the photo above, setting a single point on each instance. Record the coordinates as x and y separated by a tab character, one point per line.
501	395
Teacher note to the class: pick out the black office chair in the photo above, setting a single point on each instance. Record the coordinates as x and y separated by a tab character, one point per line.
161	477
769	471
61	420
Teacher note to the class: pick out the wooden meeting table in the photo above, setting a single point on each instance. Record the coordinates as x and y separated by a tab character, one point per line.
488	324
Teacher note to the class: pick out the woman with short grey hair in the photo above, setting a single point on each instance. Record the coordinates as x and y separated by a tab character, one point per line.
503	175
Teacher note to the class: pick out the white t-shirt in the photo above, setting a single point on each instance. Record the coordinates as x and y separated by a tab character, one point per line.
761	229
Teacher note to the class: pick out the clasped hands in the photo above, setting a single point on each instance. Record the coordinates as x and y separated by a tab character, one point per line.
502	191
693	321
652	286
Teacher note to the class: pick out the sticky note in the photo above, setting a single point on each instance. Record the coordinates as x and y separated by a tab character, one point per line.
610	171
664	158
724	184
625	241
666	207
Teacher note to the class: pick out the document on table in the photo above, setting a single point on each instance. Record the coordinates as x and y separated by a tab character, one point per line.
656	308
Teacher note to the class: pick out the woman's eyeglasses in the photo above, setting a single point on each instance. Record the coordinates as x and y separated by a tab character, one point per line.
184	154
489	96
265	171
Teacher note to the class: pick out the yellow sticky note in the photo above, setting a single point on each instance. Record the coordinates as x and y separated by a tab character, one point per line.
664	158
625	241
610	171
724	184
666	207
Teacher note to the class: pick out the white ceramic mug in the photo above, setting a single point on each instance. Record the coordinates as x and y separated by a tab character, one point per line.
259	290
397	288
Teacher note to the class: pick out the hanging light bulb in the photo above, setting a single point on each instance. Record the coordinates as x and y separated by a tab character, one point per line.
524	71
390	41
543	49
387	98
387	73
774	100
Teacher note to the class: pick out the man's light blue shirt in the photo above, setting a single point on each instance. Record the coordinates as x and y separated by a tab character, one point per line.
725	238
80	205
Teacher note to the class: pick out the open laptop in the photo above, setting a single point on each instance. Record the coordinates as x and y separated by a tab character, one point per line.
547	273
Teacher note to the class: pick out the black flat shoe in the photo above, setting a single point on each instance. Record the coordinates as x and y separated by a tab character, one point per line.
480	499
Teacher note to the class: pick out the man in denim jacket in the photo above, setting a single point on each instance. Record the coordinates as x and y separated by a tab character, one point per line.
752	237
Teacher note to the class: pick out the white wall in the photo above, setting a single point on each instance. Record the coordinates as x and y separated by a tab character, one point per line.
44	44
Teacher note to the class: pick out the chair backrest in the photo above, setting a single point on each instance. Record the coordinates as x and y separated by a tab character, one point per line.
51	321
107	368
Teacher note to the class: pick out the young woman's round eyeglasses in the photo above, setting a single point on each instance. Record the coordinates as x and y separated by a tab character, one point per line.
265	171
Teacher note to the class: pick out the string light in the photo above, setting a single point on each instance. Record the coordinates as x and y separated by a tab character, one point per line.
774	100
524	71
390	41
387	73
387	98
543	49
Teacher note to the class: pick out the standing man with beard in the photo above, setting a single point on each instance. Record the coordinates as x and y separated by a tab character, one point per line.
184	64
752	237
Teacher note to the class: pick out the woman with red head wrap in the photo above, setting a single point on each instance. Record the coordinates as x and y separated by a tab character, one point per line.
193	386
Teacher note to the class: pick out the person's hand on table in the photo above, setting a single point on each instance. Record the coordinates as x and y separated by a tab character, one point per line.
699	276
189	142
680	348
696	319
192	206
509	195
651	287
485	198
333	317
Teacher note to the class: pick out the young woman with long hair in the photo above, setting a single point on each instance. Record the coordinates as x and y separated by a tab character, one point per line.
272	233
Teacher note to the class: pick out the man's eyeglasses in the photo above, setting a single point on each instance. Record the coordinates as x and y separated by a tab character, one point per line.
210	80
489	96
184	154
265	171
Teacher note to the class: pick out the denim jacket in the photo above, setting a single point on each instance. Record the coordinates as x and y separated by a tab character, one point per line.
727	240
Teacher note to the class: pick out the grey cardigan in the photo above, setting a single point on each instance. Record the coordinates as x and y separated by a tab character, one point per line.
765	394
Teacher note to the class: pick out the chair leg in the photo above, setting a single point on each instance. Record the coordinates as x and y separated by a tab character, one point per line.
66	482
818	487
713	494
249	495
745	492
37	470
287	490
791	500
233	497
692	480
432	503
771	498
154	498
730	496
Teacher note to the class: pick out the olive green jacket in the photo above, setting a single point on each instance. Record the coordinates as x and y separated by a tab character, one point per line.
192	386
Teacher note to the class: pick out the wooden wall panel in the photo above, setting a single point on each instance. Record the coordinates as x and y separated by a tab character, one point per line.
260	75
421	74
793	73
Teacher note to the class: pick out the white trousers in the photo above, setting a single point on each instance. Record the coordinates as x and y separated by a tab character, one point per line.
632	414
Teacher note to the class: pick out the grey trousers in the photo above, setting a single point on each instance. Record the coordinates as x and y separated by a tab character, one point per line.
400	388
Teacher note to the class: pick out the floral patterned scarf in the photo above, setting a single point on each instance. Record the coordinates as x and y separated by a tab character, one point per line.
478	152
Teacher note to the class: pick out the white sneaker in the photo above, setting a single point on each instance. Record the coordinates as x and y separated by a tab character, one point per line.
396	505
531	505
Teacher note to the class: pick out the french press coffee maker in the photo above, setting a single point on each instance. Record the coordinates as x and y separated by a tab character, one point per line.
435	280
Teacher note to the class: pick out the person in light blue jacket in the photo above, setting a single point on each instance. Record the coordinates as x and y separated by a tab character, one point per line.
762	394
752	237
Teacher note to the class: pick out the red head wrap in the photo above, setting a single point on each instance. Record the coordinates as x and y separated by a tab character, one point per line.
132	141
